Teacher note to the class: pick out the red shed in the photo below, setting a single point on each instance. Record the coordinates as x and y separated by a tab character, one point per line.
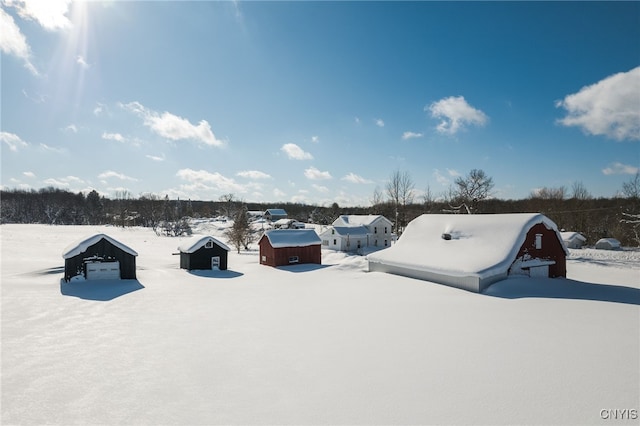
280	247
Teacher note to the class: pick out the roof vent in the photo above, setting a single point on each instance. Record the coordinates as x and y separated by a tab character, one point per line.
446	237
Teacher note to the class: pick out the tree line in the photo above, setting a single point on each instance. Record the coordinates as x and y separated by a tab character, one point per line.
572	209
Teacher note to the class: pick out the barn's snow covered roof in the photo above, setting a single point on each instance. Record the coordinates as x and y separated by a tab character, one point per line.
480	245
196	242
279	238
82	245
357	219
276	212
569	235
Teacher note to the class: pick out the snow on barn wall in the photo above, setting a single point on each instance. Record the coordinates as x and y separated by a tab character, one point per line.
281	247
203	252
473	251
96	251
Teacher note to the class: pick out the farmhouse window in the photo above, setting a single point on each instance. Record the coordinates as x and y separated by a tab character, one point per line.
209	244
375	229
333	231
335	241
385	230
538	241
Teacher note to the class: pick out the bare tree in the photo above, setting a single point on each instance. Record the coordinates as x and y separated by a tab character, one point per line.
240	235
579	191
631	189
546	193
472	189
377	198
401	191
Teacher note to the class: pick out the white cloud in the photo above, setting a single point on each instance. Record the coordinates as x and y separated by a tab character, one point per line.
29	174
99	109
453	173
50	14
203	180
455	114
82	62
354	178
13	42
113	137
13	141
320	188
440	178
314	174
111	174
253	174
71	128
279	193
64	181
155	157
294	152
379	122
315	139
411	135
52	148
172	127
610	107
620	169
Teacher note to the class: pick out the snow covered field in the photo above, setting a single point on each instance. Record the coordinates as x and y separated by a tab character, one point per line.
330	344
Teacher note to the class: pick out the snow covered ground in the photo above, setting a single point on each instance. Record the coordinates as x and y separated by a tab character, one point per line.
329	344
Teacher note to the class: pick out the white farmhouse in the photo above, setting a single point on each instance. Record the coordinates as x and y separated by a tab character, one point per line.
353	232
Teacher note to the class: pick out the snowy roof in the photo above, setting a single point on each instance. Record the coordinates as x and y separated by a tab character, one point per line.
352	231
292	237
480	245
357	219
283	221
80	246
568	236
277	212
195	243
611	241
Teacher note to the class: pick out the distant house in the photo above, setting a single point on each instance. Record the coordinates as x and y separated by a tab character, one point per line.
255	214
280	247
203	252
353	232
608	244
99	257
288	224
574	240
473	251
275	214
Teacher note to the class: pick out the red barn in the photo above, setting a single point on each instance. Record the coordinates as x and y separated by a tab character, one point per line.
280	247
474	251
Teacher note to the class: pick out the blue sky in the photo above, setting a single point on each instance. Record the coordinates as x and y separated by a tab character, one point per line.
318	102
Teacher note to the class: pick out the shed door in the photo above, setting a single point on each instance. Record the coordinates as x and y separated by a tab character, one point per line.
215	262
103	270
